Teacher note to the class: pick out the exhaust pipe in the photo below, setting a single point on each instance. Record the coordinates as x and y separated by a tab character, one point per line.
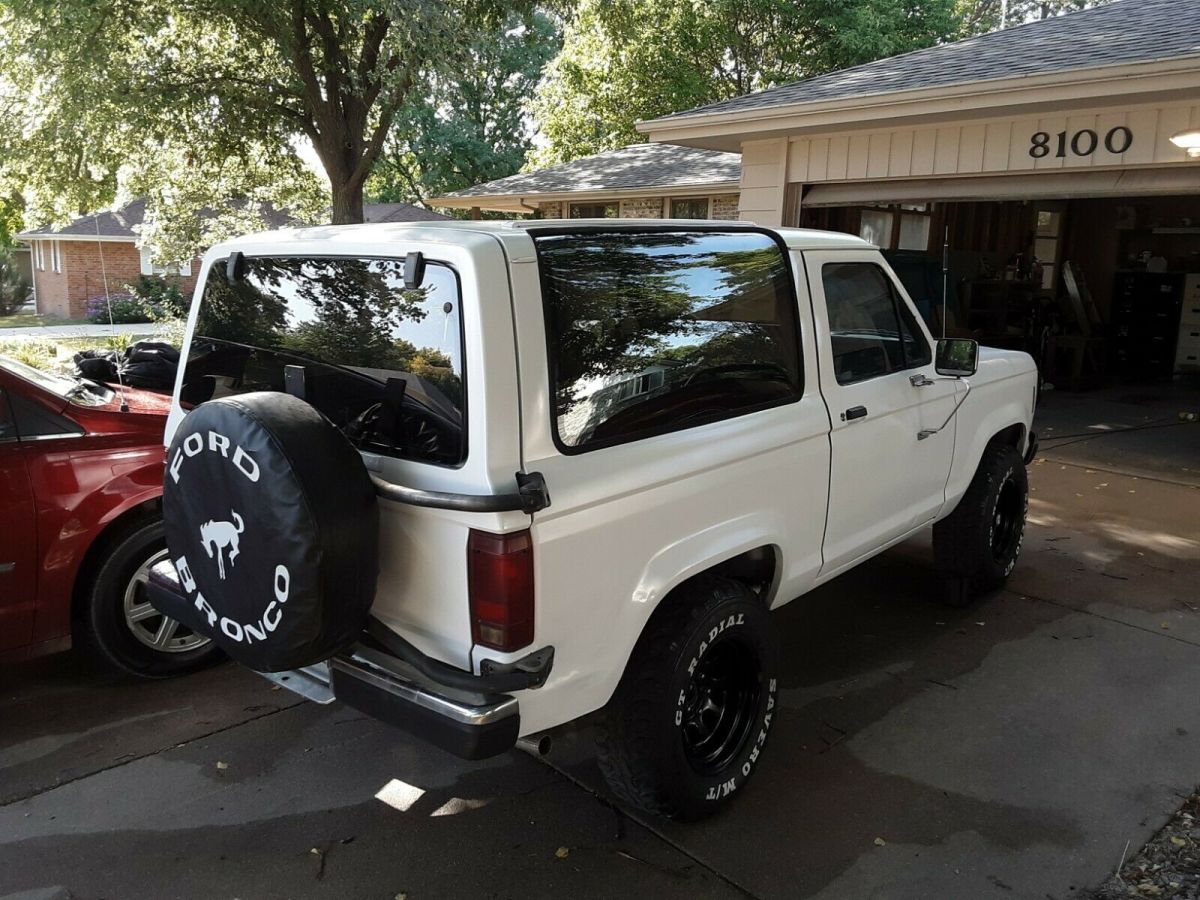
537	744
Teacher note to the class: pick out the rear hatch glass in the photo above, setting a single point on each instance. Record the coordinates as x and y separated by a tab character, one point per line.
383	362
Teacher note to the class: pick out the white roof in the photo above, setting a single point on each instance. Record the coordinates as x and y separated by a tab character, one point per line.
467	232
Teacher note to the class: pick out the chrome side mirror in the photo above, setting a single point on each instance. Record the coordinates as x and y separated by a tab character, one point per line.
957	357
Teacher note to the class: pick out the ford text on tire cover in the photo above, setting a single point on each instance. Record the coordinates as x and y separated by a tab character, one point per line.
481	479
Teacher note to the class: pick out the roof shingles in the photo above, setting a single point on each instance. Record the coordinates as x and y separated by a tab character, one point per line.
637	166
1127	31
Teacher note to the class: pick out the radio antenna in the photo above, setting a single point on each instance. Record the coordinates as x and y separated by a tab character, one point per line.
945	278
108	303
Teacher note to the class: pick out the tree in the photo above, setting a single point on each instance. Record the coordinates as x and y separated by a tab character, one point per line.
468	125
103	85
979	16
624	60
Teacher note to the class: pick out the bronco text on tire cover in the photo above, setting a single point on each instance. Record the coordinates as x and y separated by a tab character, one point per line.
273	528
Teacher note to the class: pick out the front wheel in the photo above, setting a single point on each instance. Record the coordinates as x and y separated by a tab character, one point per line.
687	725
121	628
976	546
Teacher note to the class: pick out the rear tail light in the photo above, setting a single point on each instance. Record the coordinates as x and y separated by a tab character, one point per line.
500	585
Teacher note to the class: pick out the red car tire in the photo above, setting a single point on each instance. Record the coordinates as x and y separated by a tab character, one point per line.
120	628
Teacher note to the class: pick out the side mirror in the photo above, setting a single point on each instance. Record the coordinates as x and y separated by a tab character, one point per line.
957	357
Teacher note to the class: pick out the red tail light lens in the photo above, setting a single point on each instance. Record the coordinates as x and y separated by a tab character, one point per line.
500	584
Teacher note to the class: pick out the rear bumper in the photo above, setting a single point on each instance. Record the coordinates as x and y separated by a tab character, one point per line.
386	677
471	728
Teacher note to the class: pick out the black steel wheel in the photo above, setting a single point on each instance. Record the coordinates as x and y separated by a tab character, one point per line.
976	547
686	728
718	711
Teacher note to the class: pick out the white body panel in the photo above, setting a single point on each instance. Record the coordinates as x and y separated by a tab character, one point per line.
630	522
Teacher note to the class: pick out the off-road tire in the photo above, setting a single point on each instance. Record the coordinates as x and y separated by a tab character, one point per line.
976	546
101	629
642	742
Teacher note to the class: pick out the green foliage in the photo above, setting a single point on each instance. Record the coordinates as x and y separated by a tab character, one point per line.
38	353
978	16
195	102
625	60
467	124
14	287
160	297
119	309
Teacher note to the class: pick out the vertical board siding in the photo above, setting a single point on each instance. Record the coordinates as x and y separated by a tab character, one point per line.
982	148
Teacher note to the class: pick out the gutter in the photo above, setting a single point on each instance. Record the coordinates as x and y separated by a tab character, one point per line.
1107	83
519	202
31	236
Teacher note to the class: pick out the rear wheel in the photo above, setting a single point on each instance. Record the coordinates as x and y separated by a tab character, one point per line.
689	720
977	546
119	625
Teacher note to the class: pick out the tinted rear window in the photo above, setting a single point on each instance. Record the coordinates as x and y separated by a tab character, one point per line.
656	331
384	363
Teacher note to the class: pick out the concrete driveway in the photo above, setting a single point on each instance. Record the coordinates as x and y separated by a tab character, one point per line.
1010	750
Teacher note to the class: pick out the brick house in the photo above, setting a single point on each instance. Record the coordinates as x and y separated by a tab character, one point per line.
642	181
79	261
92	254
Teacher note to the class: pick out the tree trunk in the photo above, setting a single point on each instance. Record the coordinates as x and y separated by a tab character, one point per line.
347	201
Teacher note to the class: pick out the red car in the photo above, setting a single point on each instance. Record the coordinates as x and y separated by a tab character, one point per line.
81	467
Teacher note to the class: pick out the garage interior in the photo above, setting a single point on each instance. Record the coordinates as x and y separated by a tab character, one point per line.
1103	291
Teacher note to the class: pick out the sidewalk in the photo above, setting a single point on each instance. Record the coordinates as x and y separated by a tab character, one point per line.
76	330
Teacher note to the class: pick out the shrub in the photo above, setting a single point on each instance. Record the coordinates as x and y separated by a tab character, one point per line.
35	352
14	289
161	298
125	308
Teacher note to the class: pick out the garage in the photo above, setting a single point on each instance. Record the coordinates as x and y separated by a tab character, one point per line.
1043	180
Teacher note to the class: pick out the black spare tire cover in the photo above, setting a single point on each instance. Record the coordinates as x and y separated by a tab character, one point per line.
273	527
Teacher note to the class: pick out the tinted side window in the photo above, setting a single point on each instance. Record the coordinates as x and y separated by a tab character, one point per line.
656	331
871	328
8	428
34	421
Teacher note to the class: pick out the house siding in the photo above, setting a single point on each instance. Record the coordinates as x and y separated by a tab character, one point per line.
724	206
87	267
642	208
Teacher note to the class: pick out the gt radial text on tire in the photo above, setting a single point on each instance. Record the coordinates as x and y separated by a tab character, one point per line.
119	625
977	545
273	527
687	725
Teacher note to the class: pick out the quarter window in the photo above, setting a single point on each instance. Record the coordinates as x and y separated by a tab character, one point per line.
654	331
871	328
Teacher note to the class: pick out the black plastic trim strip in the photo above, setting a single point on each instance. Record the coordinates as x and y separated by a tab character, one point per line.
532	496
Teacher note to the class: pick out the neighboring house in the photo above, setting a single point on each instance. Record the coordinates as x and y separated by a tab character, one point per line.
92	255
399	212
99	253
645	181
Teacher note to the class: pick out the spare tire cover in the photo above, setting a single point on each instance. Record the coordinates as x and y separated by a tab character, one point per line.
273	527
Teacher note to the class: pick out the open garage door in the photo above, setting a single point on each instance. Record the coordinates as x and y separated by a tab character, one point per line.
1048	186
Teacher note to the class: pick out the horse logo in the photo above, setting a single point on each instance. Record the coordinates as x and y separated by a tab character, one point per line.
217	536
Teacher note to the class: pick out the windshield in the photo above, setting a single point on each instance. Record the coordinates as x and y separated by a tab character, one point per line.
77	390
383	362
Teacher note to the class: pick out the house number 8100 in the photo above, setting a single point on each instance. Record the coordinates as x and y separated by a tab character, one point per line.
1081	143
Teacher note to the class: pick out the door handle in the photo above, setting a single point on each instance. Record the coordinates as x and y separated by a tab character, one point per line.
854	412
919	380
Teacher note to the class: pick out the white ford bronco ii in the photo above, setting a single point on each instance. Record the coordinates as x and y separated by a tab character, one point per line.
480	479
